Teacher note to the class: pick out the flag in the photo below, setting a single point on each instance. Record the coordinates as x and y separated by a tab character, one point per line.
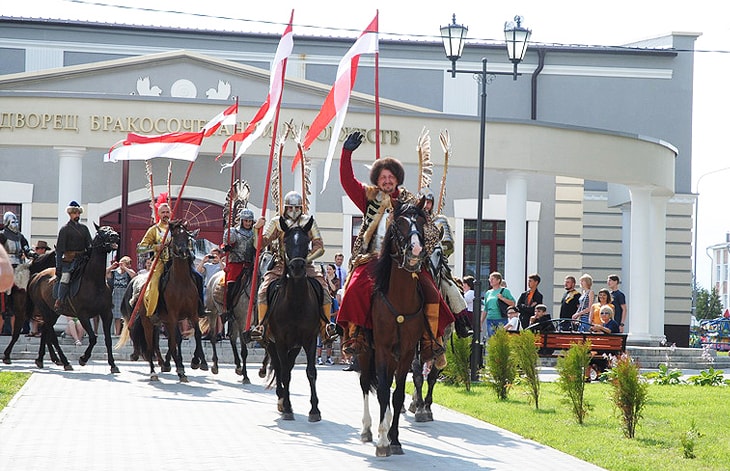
176	145
228	116
265	114
335	105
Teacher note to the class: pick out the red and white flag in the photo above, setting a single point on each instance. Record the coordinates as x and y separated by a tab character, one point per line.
335	105
227	116
266	113
176	145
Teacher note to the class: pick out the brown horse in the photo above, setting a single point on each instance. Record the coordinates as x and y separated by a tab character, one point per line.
295	309
398	324
19	301
93	298
179	299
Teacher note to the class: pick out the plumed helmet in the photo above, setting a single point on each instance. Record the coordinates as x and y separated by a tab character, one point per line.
73	206
246	214
427	193
9	217
387	163
293	198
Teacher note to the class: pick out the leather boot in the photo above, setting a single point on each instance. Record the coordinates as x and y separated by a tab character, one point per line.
431	345
357	343
327	330
257	333
228	314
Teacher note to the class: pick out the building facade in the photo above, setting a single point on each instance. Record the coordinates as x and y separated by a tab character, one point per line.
587	164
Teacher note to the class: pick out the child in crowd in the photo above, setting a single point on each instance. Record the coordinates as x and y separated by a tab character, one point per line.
513	324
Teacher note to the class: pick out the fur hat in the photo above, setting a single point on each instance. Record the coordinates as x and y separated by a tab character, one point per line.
74	206
388	163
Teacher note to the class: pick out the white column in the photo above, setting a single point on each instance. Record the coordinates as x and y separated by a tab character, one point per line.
658	268
625	249
640	266
70	173
515	237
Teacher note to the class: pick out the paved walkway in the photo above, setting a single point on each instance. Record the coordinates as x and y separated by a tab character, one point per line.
89	419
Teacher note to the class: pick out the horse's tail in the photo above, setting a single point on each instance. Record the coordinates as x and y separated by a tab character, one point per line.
125	308
138	338
124	337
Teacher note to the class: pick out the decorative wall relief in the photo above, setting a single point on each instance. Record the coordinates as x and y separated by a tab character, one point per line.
183	88
144	89
222	93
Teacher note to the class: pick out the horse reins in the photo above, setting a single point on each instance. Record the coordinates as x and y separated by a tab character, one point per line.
403	241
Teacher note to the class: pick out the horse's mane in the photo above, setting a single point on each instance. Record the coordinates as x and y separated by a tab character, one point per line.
383	266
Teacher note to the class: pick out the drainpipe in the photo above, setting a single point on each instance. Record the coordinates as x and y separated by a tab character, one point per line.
540	66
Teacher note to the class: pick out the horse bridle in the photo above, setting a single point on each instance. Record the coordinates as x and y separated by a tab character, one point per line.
104	241
403	243
176	251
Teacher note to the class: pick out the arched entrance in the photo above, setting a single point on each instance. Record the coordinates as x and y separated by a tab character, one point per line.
203	215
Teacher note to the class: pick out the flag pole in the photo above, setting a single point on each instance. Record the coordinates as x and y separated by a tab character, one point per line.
230	216
377	95
260	235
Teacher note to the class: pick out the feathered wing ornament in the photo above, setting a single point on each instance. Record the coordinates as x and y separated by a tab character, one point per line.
151	188
276	176
446	146
425	165
305	167
236	200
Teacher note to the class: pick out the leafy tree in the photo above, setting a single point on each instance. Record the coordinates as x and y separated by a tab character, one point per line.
708	303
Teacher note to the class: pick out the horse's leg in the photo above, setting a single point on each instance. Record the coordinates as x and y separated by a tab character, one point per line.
433	376
244	357
17	327
366	435
385	378
174	342
86	324
399	395
199	352
42	346
52	341
106	324
286	360
416	406
314	414
151	338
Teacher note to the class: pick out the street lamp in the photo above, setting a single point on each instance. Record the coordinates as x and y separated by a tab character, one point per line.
453	36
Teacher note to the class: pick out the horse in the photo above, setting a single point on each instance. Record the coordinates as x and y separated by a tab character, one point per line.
214	296
93	298
179	299
19	299
295	310
424	373
398	318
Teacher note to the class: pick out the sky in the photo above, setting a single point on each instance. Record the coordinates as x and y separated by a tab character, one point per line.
612	23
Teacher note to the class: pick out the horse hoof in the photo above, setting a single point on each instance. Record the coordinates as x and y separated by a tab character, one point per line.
203	366
422	417
184	379
166	369
262	373
39	363
396	449
429	417
115	370
214	370
382	451
133	357
6	361
366	437
412	408
68	368
58	362
239	371
82	362
154	377
195	364
287	415
245	380
315	417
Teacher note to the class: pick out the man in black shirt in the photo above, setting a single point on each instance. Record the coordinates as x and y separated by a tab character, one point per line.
569	303
73	240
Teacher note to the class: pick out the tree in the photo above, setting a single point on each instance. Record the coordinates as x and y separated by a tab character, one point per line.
708	304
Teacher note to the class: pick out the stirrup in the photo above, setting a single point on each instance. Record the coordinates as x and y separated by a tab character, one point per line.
257	333
330	332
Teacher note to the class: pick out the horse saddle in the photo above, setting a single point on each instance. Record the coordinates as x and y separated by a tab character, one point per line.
274	286
77	274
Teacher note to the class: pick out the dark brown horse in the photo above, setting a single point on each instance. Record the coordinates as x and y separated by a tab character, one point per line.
424	373
93	298
19	300
179	299
295	309
398	324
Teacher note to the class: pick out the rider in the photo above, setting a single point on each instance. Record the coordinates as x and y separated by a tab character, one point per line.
17	249
386	176
293	215
239	244
153	242
439	266
73	240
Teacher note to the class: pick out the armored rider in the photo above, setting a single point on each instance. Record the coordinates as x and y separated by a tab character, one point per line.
293	216
13	241
239	245
375	201
73	240
439	267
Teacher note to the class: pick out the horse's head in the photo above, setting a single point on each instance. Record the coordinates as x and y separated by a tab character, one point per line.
405	239
106	239
296	247
181	239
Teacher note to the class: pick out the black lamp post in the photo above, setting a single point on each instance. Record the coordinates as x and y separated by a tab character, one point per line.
453	37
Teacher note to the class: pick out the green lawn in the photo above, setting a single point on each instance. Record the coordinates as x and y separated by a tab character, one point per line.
10	383
666	420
